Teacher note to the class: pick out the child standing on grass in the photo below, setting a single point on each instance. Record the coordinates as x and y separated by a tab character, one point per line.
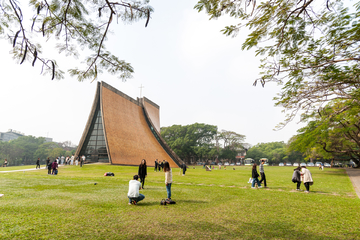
168	179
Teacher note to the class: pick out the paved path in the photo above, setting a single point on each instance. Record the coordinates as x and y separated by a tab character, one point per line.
354	174
21	170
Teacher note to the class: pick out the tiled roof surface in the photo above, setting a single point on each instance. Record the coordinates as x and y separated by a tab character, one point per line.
129	137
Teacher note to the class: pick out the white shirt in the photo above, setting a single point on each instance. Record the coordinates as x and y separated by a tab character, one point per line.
168	176
134	187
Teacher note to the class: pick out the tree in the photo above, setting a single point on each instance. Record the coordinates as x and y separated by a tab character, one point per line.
195	140
68	25
331	133
27	145
231	140
310	48
275	152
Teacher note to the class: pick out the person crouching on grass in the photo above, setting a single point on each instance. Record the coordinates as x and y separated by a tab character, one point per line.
168	179
133	194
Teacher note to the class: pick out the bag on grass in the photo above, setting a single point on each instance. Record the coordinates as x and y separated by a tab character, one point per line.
163	202
109	174
169	201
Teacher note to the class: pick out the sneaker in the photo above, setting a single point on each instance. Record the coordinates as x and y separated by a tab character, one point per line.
134	202
253	187
260	187
1	195
130	203
306	192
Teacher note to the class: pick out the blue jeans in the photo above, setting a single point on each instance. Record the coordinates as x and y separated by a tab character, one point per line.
255	180
168	190
137	199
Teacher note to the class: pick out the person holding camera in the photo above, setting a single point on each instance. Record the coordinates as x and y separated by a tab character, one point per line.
133	193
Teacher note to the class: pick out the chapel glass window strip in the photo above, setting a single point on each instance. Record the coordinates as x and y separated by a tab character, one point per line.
95	144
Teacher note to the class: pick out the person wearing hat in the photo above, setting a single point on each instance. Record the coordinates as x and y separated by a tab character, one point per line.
133	194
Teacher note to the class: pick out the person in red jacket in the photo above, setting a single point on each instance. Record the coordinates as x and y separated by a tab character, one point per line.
54	168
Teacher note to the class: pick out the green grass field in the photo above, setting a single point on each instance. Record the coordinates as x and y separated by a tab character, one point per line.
210	205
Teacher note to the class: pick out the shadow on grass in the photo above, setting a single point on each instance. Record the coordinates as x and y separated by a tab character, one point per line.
154	203
247	230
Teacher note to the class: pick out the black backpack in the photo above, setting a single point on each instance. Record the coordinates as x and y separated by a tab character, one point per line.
169	201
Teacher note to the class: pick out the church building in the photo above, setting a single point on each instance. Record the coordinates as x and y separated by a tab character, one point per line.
121	130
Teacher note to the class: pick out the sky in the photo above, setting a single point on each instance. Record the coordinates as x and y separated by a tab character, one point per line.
183	61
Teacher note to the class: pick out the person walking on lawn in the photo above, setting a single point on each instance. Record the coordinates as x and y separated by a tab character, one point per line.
307	178
133	193
262	173
255	176
142	172
38	163
296	178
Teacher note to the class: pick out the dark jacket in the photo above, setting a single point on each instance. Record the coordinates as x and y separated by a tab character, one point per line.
184	167
296	176
255	174
142	171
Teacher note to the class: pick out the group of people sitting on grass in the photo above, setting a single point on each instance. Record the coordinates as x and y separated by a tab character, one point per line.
135	186
301	174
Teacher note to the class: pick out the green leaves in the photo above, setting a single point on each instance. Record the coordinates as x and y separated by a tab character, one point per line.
72	25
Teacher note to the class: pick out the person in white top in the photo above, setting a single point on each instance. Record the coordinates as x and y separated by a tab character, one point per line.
168	179
82	160
307	178
133	194
72	160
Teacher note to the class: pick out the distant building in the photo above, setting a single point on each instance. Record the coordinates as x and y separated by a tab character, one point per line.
10	135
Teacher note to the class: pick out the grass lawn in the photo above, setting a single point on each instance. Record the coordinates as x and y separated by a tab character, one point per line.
210	205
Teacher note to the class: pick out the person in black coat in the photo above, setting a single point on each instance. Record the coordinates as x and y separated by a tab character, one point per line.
38	163
142	172
183	166
162	165
47	162
49	166
296	178
255	176
156	165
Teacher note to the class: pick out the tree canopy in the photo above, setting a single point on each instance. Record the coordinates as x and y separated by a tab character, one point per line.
70	26
311	49
26	149
202	141
329	135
